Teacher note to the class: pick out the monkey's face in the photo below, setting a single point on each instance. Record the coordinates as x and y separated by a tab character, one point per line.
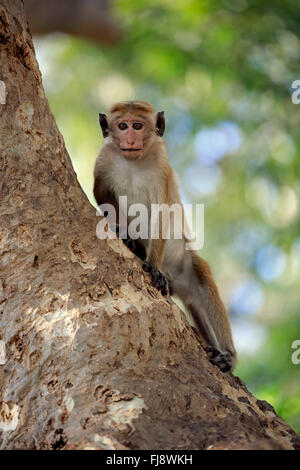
131	136
132	127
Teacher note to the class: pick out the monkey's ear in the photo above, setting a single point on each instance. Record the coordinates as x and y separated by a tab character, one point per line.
103	123
160	123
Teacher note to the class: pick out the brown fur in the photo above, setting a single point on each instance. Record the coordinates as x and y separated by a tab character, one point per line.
132	107
149	179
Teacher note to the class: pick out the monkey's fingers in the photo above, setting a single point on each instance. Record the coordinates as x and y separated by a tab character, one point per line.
155	277
211	351
162	284
158	279
223	361
147	266
165	289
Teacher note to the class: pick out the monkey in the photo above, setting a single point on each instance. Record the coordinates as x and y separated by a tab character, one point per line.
133	162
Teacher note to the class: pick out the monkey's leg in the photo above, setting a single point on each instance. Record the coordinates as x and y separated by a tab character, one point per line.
217	354
194	285
158	279
216	315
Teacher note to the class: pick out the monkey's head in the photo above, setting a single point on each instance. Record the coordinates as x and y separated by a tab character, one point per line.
133	127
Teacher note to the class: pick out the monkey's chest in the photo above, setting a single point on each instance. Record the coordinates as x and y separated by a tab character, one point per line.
137	186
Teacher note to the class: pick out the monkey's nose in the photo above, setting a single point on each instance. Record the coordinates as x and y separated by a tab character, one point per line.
130	138
130	141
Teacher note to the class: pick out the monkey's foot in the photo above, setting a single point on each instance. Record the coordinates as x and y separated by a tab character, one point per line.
221	359
158	279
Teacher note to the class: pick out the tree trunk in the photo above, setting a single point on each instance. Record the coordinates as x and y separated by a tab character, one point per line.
91	356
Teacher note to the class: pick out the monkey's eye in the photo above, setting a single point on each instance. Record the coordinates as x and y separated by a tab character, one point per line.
122	126
137	126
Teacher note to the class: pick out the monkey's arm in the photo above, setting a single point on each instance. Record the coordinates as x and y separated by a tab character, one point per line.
153	265
155	257
105	196
157	250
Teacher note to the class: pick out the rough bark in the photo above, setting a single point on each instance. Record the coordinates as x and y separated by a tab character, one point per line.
91	356
89	19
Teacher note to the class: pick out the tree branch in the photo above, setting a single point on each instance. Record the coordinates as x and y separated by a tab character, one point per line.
88	19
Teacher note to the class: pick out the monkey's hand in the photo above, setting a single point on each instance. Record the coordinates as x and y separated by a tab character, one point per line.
221	359
133	245
158	279
127	241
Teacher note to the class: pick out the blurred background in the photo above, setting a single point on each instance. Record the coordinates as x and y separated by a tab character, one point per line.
223	73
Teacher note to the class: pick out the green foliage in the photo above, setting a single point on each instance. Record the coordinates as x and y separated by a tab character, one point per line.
222	71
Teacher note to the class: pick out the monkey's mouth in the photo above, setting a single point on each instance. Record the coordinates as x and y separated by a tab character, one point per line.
131	150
